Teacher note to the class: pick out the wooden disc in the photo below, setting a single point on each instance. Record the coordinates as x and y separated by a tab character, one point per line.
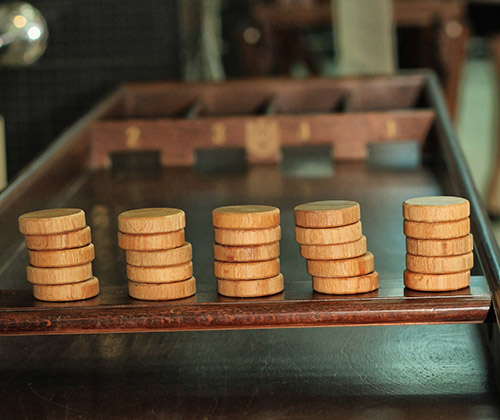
437	230
46	222
439	265
174	256
334	252
342	268
169	274
243	237
246	270
436	282
247	253
346	285
151	242
162	291
326	214
328	236
251	288
68	240
152	220
67	292
436	209
62	258
59	275
246	217
440	247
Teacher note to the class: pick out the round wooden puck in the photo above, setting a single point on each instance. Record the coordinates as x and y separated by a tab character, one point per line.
251	288
342	268
68	240
162	291
169	274
243	237
334	252
151	242
436	282
437	230
246	270
328	236
436	209
152	220
247	253
59	275
346	285
327	214
440	247
50	221
246	217
174	256
62	258
67	292
439	265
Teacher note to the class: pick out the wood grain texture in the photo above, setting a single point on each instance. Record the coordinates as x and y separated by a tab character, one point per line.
67	292
243	237
68	240
439	265
248	216
62	258
162	291
328	236
440	248
162	258
60	275
436	282
347	285
334	252
151	242
326	214
151	220
436	209
437	230
246	253
169	274
246	270
342	268
50	221
251	288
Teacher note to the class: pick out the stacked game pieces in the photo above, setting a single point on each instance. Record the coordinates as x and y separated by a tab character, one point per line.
331	239
60	255
246	250
438	243
159	265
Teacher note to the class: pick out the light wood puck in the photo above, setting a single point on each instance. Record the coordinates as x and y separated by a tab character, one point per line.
246	217
328	236
346	285
342	268
436	282
169	274
60	275
162	291
437	230
62	258
440	247
151	220
247	253
327	214
251	288
334	252
243	237
246	270
439	265
174	256
436	209
50	221
68	240
67	292
151	242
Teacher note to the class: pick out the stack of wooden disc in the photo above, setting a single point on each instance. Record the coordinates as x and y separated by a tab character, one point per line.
159	265
438	243
246	250
60	255
331	239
